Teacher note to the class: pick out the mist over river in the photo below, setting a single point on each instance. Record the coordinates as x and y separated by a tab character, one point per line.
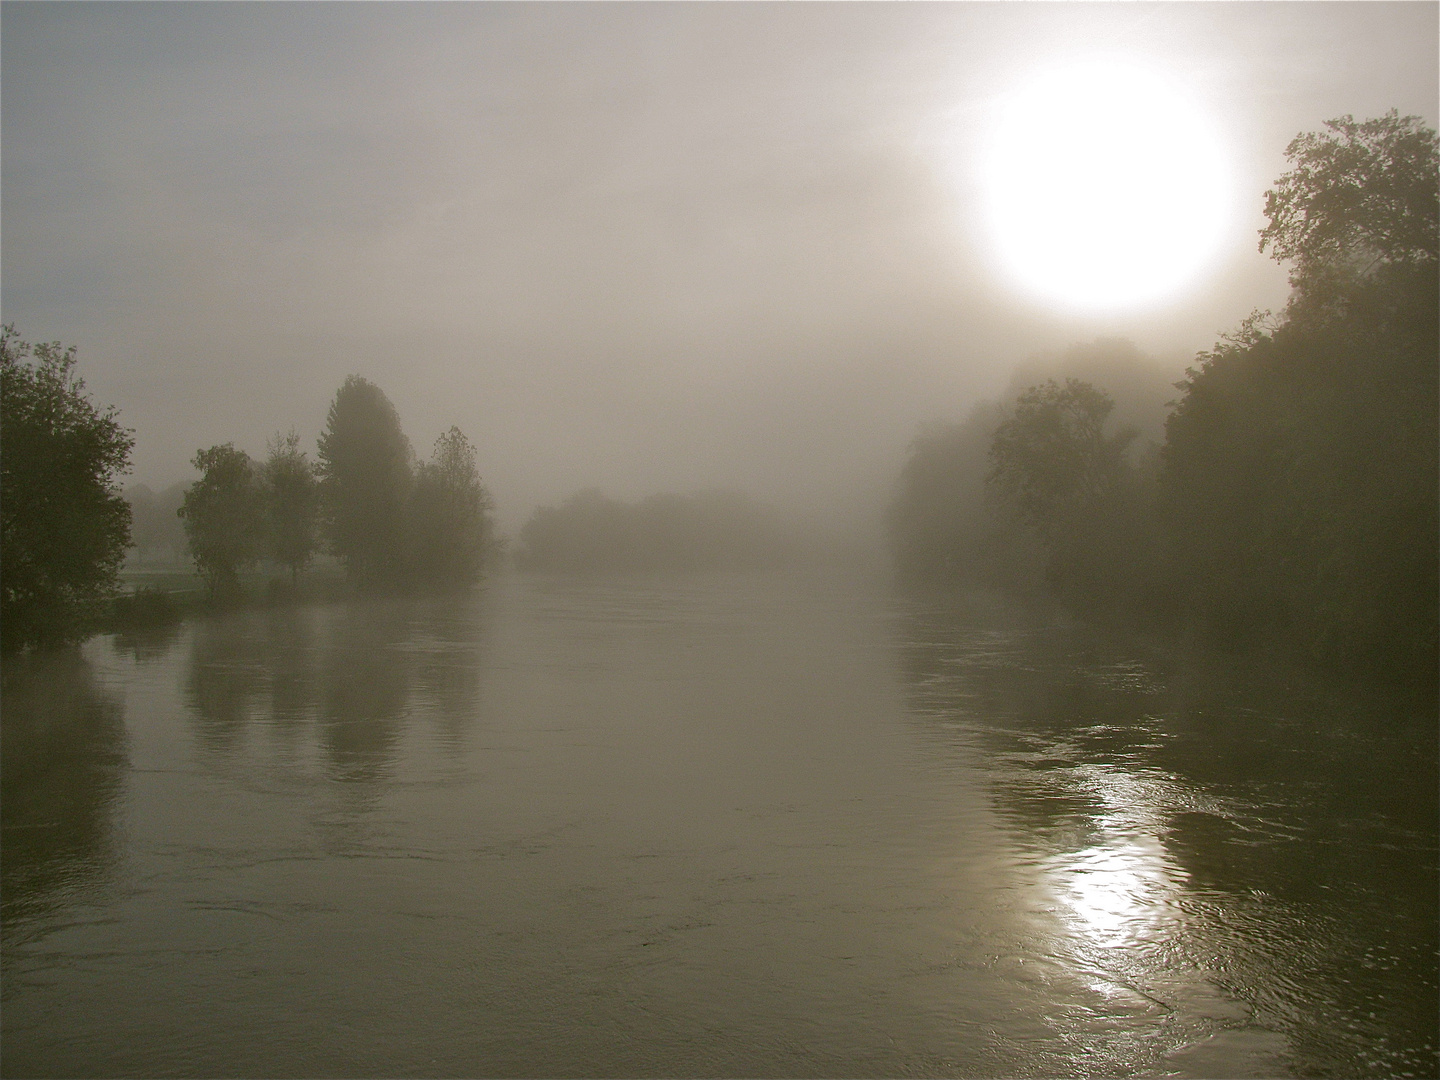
724	825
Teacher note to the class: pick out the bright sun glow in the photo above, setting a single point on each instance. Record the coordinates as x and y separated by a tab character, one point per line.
1107	186
1115	893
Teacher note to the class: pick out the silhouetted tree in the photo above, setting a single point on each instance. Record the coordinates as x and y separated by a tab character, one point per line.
63	770
586	532
1052	459
365	477
293	498
1300	468
225	519
65	524
943	529
1360	198
1073	486
1298	493
449	522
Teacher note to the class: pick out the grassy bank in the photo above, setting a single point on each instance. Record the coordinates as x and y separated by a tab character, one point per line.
158	598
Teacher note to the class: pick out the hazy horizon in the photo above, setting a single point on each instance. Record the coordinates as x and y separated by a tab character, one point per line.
772	601
639	248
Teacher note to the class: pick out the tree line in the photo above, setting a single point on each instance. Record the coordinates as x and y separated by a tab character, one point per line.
1293	501
1291	498
391	521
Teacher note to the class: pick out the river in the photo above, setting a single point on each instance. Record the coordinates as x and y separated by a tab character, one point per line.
724	825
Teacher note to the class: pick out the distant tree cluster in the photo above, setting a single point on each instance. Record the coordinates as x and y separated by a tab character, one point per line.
390	520
1294	499
1078	465
65	524
713	530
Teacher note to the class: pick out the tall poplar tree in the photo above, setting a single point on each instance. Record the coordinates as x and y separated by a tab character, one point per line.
366	471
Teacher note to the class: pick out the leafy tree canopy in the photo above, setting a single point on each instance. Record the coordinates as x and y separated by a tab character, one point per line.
365	476
1358	196
1053	455
225	519
450	529
65	524
1300	474
294	502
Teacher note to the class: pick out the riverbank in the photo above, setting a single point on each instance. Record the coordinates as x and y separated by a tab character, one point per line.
153	599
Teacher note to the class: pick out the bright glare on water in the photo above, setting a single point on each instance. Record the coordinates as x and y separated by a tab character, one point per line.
705	826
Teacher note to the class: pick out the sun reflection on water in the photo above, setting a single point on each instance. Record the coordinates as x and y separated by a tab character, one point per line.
1117	892
1121	889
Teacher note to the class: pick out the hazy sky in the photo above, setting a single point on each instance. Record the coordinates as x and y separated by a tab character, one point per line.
645	247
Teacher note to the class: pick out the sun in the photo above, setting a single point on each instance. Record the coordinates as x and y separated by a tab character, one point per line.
1107	186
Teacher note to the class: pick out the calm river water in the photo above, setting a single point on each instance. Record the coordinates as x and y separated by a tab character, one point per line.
705	826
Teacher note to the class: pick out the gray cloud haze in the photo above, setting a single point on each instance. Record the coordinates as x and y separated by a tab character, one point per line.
643	247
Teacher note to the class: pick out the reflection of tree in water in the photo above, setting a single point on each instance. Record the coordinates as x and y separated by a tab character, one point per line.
146	644
62	752
290	659
1058	708
1339	785
1298	819
1027	699
365	668
253	675
259	677
447	634
226	676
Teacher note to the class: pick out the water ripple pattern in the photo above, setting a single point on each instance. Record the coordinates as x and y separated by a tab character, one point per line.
706	825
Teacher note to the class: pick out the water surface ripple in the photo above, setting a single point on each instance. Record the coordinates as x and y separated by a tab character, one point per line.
726	825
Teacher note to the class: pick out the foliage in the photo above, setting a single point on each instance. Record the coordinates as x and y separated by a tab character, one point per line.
1300	469
943	530
1361	195
1052	459
1073	487
65	524
225	520
948	528
1300	481
365	477
449	521
293	501
1295	504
